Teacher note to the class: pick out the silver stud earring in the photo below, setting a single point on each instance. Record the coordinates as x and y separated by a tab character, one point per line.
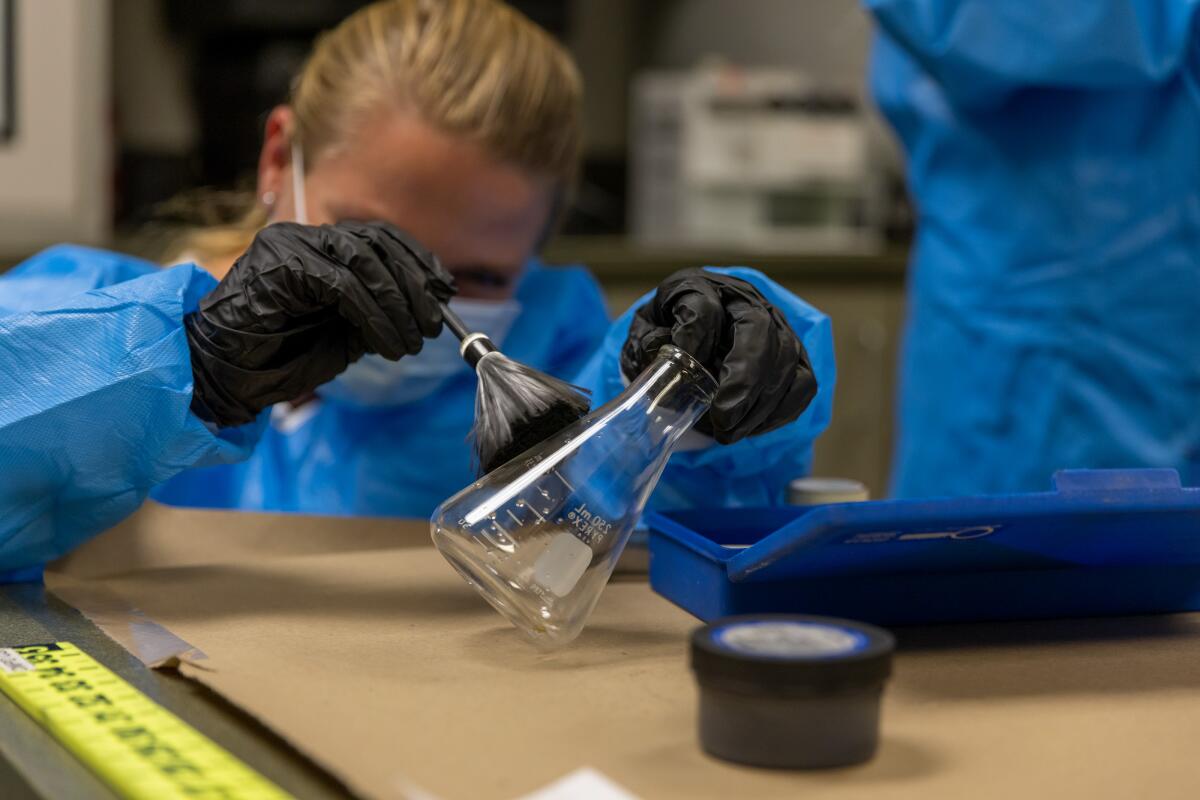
268	199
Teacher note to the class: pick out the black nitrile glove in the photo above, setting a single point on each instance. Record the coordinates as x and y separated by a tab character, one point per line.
764	379
302	304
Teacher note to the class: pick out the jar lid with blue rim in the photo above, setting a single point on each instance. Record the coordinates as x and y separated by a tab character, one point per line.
792	652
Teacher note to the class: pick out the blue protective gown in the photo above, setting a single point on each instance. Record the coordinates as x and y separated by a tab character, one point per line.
95	387
1054	303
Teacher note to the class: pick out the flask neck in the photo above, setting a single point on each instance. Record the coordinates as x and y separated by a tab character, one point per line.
674	392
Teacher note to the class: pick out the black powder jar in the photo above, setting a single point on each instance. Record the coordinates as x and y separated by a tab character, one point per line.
791	692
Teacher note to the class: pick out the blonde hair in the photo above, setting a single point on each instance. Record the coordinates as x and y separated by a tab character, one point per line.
472	68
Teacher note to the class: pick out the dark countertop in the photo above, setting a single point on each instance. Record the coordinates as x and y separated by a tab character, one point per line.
34	765
618	258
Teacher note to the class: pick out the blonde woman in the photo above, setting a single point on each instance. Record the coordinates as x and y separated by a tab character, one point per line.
458	123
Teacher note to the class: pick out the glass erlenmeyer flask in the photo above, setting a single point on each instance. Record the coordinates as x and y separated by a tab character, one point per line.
539	536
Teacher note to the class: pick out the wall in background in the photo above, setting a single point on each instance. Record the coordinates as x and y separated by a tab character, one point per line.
827	39
614	40
150	75
605	39
55	171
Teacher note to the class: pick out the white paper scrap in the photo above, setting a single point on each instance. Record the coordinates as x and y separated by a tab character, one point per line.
582	784
11	661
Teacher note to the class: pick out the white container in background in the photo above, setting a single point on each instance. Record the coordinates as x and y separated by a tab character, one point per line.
761	159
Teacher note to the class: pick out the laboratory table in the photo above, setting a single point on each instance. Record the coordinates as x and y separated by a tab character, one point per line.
1090	707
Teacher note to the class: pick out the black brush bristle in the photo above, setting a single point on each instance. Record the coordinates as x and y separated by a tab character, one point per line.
518	407
534	431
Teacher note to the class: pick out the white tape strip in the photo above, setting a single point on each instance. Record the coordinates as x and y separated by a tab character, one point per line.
12	661
150	642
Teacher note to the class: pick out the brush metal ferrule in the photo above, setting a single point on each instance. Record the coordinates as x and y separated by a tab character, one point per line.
474	347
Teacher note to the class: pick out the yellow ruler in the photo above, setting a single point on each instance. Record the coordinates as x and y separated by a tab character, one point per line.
136	746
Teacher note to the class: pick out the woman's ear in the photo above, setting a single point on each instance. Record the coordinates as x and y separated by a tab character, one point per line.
275	164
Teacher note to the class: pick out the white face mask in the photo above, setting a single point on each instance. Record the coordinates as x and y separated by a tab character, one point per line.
298	198
375	382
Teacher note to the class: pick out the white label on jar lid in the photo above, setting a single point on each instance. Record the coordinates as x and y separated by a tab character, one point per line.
790	639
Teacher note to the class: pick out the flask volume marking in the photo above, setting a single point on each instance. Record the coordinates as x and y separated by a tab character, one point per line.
566	482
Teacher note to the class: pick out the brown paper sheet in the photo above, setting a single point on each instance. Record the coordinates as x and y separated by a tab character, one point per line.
353	640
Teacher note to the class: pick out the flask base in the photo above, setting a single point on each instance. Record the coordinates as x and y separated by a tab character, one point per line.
535	623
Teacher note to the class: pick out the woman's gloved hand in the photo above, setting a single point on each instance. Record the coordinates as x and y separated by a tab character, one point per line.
764	379
302	304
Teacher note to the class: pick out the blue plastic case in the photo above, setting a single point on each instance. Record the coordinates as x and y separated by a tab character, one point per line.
1104	542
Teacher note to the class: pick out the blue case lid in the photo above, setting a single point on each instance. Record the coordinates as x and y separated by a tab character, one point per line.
1092	518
